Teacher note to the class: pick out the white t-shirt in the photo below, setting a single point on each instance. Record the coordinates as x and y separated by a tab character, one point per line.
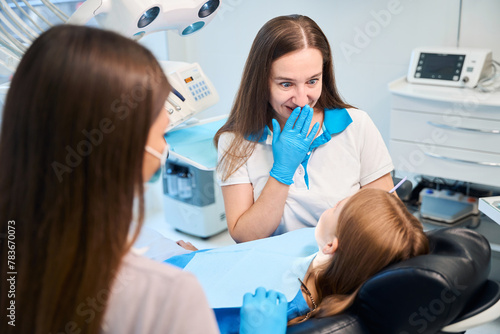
355	156
152	297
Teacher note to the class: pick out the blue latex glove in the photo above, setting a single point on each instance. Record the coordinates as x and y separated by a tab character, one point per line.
292	144
264	312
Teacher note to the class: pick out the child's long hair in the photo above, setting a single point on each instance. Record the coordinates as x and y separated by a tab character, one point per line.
374	230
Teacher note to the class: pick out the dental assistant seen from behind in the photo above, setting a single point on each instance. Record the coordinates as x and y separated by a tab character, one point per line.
291	147
75	269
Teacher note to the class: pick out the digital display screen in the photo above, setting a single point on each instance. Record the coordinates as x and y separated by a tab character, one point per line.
188	79
439	66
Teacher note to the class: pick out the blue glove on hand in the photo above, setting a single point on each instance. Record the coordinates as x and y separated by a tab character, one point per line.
263	313
292	144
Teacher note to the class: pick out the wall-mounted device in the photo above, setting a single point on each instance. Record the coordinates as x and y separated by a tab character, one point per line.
447	66
192	91
193	200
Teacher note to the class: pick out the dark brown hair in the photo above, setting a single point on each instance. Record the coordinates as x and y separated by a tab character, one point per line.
374	229
251	111
75	123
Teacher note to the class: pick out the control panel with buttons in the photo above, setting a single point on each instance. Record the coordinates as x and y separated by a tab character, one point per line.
192	91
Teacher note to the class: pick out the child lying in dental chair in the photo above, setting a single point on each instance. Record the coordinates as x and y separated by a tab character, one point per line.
319	270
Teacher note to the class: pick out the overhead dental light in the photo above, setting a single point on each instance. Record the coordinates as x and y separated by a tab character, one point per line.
135	18
131	18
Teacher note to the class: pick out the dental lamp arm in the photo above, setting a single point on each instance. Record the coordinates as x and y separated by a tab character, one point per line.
86	12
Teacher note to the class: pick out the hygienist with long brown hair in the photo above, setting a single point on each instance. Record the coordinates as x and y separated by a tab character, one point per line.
291	147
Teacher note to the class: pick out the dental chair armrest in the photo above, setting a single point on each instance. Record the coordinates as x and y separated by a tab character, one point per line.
485	308
346	323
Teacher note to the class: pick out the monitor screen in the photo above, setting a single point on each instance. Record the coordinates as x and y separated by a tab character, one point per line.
439	66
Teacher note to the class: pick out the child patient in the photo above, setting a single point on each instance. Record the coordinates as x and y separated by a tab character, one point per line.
321	269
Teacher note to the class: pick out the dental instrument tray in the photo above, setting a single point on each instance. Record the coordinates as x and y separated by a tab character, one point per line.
446	206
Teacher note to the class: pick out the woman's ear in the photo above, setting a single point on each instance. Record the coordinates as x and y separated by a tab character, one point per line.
331	247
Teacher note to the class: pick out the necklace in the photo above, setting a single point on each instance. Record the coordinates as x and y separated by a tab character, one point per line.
308	315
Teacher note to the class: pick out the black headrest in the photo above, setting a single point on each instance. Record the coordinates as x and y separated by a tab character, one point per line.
425	293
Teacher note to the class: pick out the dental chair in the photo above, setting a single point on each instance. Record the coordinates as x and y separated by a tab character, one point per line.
446	291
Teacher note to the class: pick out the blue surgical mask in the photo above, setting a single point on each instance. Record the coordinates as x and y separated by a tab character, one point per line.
163	160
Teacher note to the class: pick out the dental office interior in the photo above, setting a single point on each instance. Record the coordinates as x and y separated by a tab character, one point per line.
373	44
442	133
